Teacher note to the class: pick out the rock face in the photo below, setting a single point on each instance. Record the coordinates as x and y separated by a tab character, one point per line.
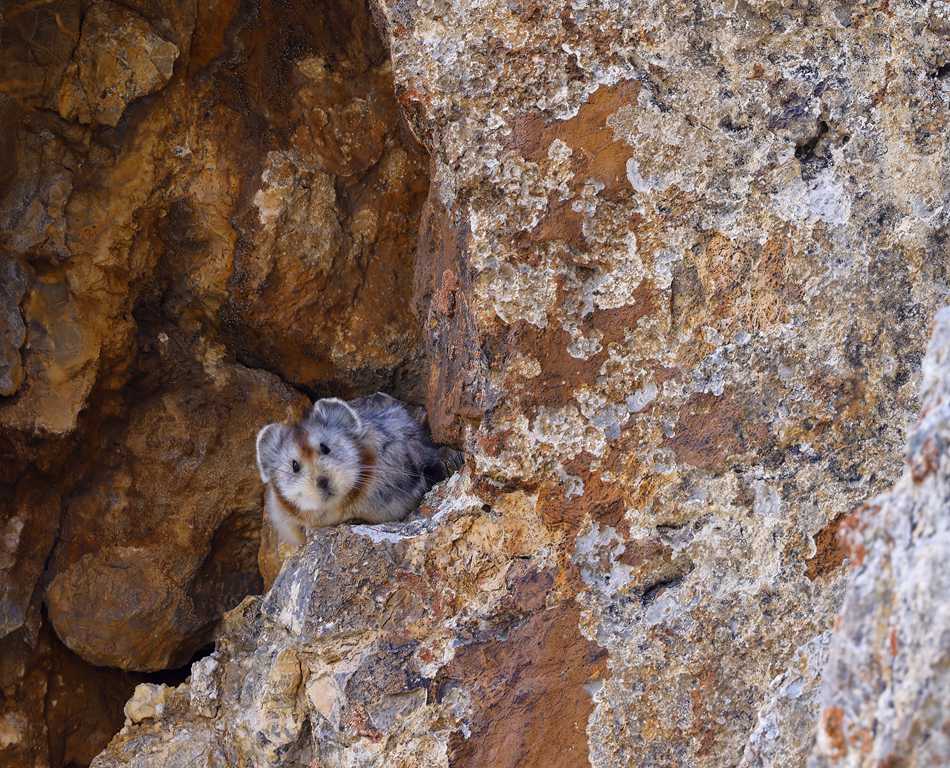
670	287
884	690
119	58
354	658
141	573
12	288
682	260
208	213
56	709
393	666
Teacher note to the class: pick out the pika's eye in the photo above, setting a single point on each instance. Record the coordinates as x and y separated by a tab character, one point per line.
295	465
324	448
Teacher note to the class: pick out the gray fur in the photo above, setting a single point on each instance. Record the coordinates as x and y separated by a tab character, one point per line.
340	436
337	414
268	445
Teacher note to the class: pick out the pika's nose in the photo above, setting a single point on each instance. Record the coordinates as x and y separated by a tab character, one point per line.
323	484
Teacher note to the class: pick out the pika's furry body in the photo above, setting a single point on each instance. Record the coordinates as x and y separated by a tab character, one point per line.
368	460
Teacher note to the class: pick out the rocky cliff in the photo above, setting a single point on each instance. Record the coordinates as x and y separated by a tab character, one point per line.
666	271
433	643
207	213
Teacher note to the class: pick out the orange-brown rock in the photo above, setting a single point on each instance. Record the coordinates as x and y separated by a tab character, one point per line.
119	58
29	521
540	671
55	709
674	276
161	538
323	263
200	207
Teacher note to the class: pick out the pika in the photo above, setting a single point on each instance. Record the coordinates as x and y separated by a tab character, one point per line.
367	459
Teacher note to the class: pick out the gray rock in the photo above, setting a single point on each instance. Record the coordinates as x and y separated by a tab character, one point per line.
13	286
885	693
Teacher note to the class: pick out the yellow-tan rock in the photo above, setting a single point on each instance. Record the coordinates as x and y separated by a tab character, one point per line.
119	59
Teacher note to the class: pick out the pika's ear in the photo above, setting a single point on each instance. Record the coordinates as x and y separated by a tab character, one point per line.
334	412
268	449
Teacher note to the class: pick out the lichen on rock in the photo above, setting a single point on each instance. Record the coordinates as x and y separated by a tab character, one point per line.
883	698
666	271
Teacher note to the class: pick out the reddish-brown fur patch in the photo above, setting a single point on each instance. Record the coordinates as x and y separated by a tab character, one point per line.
300	438
286	504
368	466
308	455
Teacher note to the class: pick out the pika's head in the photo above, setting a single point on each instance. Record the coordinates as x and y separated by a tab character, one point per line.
316	463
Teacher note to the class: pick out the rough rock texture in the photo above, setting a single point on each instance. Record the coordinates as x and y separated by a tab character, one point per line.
12	329
119	58
678	267
442	641
885	693
370	649
208	212
682	261
55	709
674	276
140	574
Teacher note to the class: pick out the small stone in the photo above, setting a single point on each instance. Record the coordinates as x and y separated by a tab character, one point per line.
147	702
118	60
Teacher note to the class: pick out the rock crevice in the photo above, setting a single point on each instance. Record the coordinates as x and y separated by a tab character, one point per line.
205	212
667	273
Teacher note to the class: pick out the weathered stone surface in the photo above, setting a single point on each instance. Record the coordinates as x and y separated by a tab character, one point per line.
163	537
29	523
350	658
785	725
321	292
448	641
292	244
333	670
885	690
61	366
38	43
54	708
677	293
688	255
12	329
119	59
189	192
677	267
